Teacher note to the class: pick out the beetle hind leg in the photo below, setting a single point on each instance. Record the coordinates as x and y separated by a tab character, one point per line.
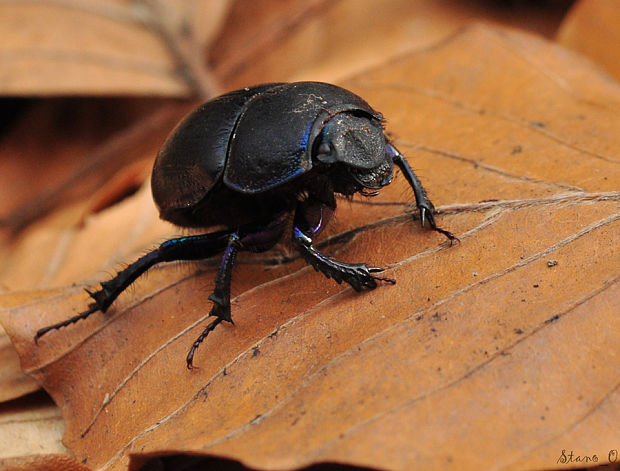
109	291
183	248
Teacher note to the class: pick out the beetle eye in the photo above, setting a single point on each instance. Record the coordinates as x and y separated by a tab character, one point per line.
324	148
324	153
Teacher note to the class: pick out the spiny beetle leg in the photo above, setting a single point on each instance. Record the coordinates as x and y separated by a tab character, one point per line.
423	202
109	291
220	295
184	248
92	307
254	237
198	341
358	275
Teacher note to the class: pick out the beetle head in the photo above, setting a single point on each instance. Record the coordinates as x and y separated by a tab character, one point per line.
355	142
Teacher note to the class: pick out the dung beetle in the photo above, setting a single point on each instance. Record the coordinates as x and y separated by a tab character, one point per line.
254	160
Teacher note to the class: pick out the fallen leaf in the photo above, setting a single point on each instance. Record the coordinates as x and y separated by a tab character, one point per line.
80	145
42	463
591	28
31	429
95	247
13	381
107	47
481	355
268	40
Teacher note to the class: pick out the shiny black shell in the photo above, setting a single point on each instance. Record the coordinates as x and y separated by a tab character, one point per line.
251	140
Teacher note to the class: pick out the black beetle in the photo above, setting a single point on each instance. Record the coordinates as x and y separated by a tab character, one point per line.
248	161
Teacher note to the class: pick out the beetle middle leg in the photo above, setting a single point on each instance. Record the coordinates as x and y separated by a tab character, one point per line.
310	219
220	295
422	200
255	238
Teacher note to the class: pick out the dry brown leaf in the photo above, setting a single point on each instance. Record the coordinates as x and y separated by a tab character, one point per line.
13	382
592	29
107	46
482	354
270	40
74	245
30	426
77	252
80	145
42	463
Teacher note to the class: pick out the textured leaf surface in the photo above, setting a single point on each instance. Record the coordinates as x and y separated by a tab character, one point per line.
592	29
80	147
13	383
265	40
26	421
103	46
483	353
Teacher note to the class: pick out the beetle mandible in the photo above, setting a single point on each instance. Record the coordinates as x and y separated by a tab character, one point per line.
251	160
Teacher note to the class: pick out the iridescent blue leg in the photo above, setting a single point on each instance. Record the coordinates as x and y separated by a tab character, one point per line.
183	248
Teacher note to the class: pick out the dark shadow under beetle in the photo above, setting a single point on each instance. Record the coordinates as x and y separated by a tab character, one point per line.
250	160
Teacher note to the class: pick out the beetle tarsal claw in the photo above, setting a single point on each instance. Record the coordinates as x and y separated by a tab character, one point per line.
190	355
423	216
427	214
379	278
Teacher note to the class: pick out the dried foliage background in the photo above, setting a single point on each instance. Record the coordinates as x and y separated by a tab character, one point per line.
498	352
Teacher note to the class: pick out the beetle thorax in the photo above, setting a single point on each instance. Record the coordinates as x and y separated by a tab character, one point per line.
354	145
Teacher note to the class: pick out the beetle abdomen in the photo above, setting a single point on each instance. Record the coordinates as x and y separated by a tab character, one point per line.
192	159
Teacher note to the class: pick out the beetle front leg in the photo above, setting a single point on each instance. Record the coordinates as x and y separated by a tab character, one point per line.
311	217
358	275
422	200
